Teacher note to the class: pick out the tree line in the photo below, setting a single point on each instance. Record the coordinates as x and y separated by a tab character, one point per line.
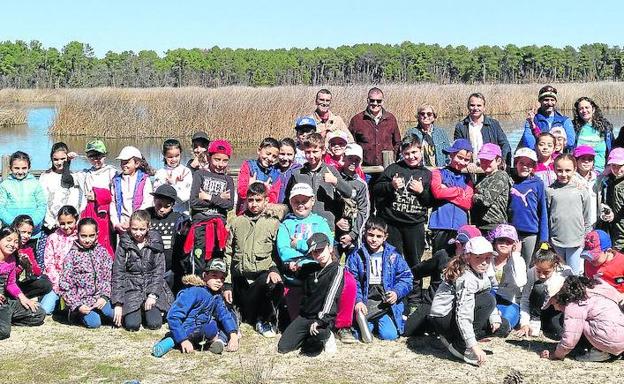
31	65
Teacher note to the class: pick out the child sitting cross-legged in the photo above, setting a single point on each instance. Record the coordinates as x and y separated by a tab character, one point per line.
383	280
199	315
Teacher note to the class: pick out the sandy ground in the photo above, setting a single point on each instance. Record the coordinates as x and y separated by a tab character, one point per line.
57	352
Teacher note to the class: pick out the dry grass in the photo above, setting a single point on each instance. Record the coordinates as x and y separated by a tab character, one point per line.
244	114
12	116
70	354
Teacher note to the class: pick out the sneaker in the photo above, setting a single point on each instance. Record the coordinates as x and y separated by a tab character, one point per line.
468	356
217	347
330	344
162	347
265	329
594	355
346	336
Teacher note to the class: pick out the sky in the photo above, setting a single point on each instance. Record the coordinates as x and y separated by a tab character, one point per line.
113	25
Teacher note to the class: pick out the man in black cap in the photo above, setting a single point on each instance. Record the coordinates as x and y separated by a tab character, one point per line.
169	225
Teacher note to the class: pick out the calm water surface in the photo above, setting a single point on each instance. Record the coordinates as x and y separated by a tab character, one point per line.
33	138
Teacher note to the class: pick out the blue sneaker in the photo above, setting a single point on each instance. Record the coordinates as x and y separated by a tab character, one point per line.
266	329
162	347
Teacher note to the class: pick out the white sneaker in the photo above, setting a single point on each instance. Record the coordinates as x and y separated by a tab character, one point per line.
265	329
594	355
468	356
330	344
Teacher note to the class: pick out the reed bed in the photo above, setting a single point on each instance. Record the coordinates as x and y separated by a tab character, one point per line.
245	114
12	116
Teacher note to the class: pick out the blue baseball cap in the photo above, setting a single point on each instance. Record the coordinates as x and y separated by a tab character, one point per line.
458	145
596	242
305	121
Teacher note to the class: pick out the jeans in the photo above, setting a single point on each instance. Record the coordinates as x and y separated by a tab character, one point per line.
49	301
93	319
151	319
508	310
572	257
384	327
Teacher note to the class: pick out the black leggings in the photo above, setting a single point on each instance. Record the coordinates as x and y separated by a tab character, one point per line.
35	287
551	319
409	240
258	300
151	319
297	335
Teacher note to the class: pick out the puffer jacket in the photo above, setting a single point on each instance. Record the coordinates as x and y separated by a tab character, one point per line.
396	276
138	273
252	245
196	306
22	197
86	276
598	318
57	247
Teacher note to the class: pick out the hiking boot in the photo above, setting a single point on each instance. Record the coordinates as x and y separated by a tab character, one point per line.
468	356
217	347
162	347
345	335
594	355
330	344
266	329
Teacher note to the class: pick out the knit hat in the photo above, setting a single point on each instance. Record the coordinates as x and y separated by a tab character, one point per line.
547	91
220	146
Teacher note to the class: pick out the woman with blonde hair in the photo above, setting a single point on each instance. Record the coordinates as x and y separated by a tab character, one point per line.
433	138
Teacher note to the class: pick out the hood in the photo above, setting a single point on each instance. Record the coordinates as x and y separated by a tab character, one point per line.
277	211
154	241
193	280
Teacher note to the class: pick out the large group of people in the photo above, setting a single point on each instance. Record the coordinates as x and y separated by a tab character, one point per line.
306	245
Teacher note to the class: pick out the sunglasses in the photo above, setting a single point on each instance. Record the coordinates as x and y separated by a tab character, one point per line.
423	114
375	101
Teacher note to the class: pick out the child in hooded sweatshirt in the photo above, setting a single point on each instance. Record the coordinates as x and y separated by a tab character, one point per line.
491	198
528	212
602	261
568	213
383	280
131	189
15	307
94	184
543	281
453	192
587	177
21	193
199	315
592	320
175	174
56	249
85	283
463	309
615	197
139	293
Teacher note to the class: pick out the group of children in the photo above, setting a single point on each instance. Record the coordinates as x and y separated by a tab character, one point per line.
293	248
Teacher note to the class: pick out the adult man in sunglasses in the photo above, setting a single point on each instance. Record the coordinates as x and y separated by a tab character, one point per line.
375	129
326	120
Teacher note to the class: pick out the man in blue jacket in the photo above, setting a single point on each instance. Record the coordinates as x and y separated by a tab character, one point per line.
546	118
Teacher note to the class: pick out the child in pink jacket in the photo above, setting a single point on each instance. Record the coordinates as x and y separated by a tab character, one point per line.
592	320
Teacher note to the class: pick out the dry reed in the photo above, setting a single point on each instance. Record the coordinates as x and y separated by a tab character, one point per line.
245	114
12	116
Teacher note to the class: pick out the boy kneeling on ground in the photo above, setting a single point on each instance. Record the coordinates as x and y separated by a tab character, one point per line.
199	315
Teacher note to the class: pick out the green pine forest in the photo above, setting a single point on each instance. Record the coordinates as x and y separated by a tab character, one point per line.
31	65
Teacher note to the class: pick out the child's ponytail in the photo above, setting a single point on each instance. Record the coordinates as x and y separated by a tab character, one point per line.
454	268
547	254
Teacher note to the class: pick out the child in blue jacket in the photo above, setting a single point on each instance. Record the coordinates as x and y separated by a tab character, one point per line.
199	315
383	280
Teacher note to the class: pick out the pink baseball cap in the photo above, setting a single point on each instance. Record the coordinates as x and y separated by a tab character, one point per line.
504	231
489	151
583	150
616	156
465	233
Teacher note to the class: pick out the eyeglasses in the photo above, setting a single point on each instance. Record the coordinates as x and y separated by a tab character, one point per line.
375	101
423	114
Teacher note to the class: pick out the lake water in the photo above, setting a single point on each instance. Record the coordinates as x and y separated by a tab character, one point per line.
33	138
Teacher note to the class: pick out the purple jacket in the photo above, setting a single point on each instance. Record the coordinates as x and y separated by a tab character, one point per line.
86	276
598	318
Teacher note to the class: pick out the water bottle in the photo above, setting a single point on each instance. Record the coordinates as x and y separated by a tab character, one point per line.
362	323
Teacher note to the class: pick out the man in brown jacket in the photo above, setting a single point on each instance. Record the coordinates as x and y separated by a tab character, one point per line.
375	129
326	120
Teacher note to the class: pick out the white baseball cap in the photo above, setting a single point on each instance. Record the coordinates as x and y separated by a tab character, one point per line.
478	245
526	152
354	150
302	189
129	152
